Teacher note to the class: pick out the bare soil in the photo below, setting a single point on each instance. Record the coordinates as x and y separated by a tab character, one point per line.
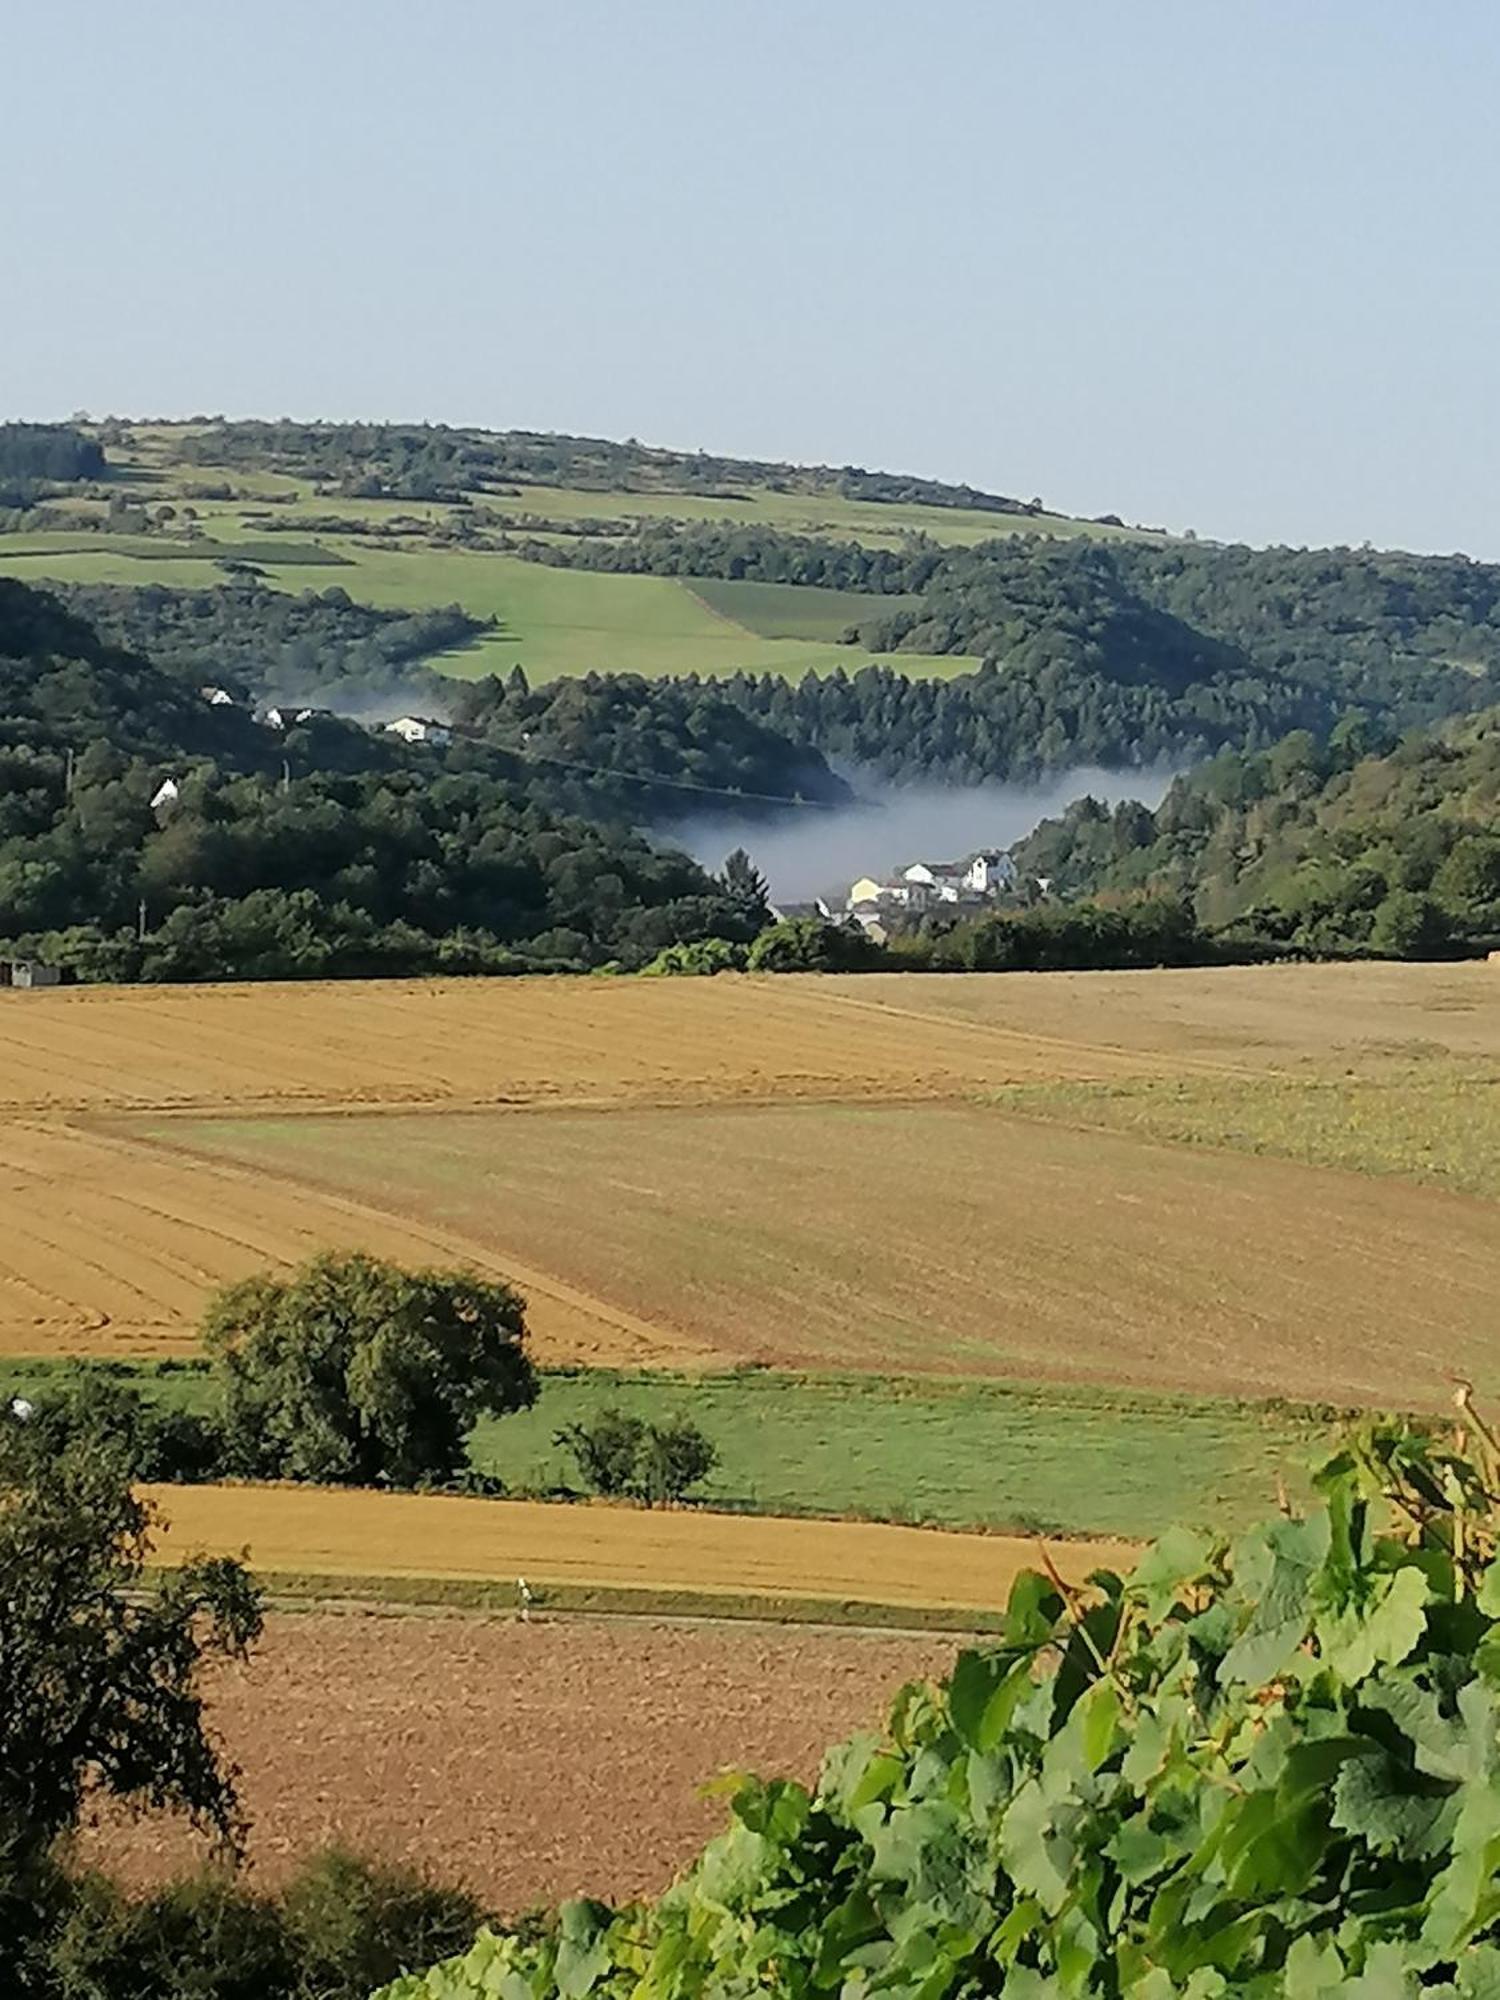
531	1762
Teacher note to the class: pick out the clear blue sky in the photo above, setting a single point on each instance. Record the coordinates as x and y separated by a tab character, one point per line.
1228	264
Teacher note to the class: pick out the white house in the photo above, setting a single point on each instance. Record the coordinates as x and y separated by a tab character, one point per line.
983	873
287	717
217	697
166	796
419	729
943	878
989	871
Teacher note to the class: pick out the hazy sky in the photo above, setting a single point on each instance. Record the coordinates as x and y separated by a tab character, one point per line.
1207	263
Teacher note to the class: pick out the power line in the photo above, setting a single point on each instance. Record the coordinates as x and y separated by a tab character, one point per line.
671	784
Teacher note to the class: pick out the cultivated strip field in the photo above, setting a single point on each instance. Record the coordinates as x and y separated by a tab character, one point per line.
945	1239
110	1248
338	1533
454	1743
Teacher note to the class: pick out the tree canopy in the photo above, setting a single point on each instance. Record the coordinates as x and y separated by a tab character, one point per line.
99	1673
352	1371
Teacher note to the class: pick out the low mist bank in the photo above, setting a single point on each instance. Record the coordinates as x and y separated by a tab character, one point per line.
817	853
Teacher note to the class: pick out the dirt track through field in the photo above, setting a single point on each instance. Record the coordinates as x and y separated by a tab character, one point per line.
532	1762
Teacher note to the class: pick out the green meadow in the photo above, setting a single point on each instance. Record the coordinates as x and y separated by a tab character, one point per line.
947	1453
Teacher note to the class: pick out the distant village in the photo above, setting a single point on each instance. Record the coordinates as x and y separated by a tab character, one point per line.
883	906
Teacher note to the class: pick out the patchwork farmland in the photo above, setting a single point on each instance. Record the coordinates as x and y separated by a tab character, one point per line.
973	1175
1014	1252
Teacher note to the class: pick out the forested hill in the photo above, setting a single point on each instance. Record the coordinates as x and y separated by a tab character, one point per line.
1126	651
1356	843
320	849
436	462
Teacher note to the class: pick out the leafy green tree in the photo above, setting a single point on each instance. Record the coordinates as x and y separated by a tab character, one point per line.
92	1412
605	1449
700	960
352	1371
1468	880
806	944
1409	925
673	1458
99	1672
622	1455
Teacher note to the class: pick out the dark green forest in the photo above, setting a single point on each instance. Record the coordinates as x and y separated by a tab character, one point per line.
646	750
1359	842
260	643
34	458
323	850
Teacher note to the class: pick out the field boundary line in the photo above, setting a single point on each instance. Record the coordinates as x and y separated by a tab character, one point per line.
1161	1062
447	1242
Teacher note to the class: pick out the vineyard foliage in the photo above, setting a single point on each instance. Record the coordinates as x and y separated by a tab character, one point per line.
1265	1767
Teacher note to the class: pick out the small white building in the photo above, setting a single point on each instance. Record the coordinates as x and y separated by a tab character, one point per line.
989	872
166	797
419	729
26	973
217	697
288	716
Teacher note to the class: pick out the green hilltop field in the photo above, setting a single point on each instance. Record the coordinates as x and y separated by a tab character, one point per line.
551	622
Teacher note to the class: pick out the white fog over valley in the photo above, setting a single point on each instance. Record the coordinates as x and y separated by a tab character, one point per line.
817	852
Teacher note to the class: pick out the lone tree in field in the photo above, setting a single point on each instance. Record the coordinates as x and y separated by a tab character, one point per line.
354	1372
99	1674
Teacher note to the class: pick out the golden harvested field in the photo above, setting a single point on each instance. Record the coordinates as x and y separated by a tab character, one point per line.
506	1041
792	1169
110	1248
454	1743
330	1532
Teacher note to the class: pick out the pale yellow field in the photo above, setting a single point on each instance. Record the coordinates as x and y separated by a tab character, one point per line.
666	1232
334	1533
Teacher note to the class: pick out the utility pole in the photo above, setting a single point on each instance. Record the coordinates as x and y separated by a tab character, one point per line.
140	921
286	775
68	773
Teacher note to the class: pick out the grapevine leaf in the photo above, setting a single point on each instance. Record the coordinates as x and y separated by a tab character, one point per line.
1374	1799
1180	1557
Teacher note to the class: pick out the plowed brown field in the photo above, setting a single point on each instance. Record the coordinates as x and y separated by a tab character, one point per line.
533	1762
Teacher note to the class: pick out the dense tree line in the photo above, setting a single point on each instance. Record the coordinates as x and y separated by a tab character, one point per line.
322	850
1353	843
36	457
1012	721
262	643
435	462
736	550
645	750
1122	651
